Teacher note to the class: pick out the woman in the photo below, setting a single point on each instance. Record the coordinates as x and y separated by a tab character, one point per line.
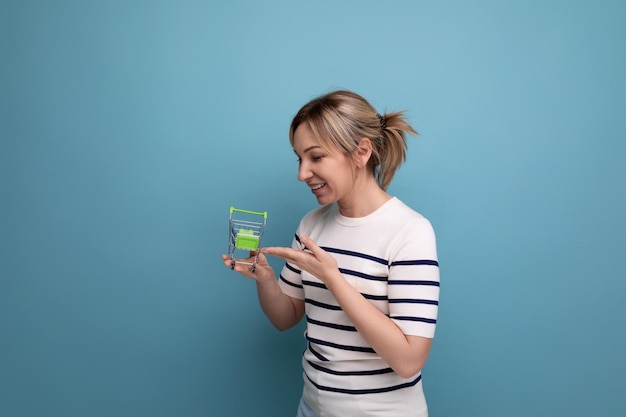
362	267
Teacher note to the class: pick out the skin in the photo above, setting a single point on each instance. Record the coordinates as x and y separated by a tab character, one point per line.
355	190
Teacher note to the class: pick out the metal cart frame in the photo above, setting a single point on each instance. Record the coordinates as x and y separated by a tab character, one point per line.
245	231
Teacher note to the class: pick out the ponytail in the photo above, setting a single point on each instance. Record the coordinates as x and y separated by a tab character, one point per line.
392	149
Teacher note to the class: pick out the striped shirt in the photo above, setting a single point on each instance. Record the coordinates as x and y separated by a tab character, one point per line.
390	256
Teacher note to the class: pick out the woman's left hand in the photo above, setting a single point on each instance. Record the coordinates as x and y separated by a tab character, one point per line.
316	261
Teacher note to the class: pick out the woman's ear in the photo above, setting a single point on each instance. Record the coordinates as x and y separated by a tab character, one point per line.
363	152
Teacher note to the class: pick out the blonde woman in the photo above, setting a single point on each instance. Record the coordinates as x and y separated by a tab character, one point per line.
362	268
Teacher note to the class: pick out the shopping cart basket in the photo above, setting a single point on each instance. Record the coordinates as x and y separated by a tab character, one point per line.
244	235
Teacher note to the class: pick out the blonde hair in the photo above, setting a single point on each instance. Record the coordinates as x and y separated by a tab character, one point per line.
340	119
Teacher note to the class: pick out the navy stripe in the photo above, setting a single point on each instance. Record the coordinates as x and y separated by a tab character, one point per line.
314	284
366	391
413	301
329	371
331	325
409	318
317	354
322	305
413	282
375	297
415	262
362	275
342	347
292	268
282	278
321	285
300	242
355	254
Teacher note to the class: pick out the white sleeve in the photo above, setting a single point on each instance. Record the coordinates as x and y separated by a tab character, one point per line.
413	291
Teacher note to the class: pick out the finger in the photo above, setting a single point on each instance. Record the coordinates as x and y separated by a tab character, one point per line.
283	253
257	254
230	263
311	245
273	251
261	259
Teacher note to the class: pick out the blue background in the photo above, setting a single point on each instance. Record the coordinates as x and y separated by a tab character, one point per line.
128	128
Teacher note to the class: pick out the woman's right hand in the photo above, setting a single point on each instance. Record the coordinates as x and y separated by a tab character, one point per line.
263	272
282	310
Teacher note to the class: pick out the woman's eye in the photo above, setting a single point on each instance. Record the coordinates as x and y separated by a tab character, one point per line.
311	158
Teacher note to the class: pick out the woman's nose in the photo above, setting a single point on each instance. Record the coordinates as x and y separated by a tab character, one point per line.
304	173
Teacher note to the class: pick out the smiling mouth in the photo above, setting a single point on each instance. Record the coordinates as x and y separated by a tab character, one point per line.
317	187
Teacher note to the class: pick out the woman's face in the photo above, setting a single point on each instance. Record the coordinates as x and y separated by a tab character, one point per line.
329	175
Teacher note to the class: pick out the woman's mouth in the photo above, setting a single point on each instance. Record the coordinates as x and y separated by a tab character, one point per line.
316	187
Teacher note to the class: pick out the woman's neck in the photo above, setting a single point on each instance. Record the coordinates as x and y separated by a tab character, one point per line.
364	199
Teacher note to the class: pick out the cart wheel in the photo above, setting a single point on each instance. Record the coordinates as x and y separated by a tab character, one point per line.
254	269
232	265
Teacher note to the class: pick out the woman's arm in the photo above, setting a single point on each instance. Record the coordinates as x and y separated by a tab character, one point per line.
282	310
406	355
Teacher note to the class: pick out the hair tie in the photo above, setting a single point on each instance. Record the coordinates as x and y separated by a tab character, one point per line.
381	119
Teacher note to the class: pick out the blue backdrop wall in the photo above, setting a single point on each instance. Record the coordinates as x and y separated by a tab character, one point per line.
124	127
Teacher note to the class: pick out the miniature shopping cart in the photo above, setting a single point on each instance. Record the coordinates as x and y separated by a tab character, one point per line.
244	235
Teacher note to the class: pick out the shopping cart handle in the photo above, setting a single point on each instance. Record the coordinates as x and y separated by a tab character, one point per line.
258	213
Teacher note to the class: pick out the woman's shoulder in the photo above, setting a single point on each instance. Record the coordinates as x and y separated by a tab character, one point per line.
405	220
402	212
413	232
